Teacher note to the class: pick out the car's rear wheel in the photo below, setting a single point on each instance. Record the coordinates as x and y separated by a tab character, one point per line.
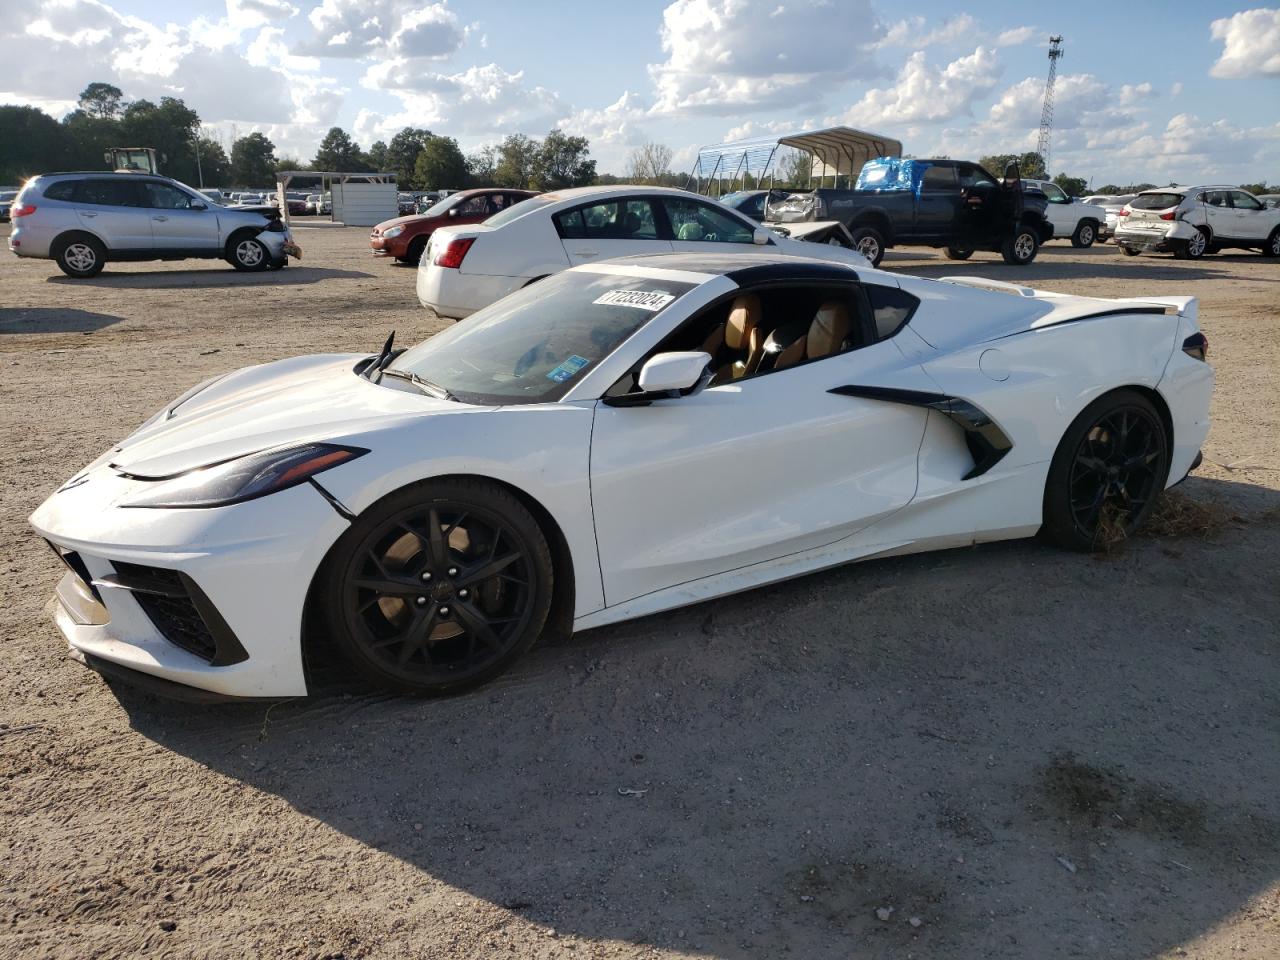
959	253
1086	233
1195	248
1107	472
1020	247
868	242
249	254
80	257
438	587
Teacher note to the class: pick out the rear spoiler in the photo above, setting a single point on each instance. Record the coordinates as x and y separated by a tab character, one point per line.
1180	306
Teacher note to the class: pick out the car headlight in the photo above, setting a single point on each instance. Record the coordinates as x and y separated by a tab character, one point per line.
247	477
393	232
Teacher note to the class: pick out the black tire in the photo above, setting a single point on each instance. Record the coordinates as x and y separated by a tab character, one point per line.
447	613
1020	247
248	254
80	256
413	256
1086	233
1272	247
959	253
870	243
1128	251
278	264
1110	467
1194	248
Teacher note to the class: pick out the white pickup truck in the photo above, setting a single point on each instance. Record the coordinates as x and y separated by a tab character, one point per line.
1082	222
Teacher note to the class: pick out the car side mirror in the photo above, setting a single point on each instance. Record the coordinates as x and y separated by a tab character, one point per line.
196	205
759	236
453	212
668	375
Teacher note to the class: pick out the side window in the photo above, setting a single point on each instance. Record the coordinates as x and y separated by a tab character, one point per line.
693	220
939	179
1216	198
108	193
63	190
891	308
165	197
1054	193
1243	201
971	176
473	207
613	220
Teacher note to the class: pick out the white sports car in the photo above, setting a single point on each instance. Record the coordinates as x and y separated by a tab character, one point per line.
469	267
620	439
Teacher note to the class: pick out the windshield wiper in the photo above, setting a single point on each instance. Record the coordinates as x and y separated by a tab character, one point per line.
385	356
425	385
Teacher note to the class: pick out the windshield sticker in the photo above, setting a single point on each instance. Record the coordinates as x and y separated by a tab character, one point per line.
567	370
652	301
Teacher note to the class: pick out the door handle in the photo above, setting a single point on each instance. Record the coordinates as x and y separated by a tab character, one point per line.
86	213
161	219
585	253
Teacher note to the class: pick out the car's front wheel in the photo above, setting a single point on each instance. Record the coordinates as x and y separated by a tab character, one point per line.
868	242
80	257
249	254
1020	247
1086	233
1272	247
414	254
1107	472
438	587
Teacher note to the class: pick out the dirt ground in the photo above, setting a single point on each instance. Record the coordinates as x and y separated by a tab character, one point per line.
1007	751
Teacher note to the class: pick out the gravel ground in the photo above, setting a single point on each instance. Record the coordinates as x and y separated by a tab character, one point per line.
998	752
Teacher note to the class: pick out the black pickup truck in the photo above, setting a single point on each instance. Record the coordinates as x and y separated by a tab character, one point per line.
953	204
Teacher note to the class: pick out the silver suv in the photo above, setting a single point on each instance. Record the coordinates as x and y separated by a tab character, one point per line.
84	220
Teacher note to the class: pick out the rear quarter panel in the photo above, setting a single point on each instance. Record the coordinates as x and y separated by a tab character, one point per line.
527	247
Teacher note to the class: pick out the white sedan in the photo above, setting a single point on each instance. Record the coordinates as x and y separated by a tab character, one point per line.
620	439
469	267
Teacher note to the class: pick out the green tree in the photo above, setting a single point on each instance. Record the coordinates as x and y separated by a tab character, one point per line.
214	166
482	167
253	159
1072	186
171	127
377	157
1257	188
31	142
563	161
338	152
795	168
402	156
88	138
649	163
101	100
517	161
440	165
1030	164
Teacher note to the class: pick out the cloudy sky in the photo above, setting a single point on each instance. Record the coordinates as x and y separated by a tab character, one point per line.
1147	90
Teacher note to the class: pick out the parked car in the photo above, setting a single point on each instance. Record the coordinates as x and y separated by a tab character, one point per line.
213	196
752	203
1270	199
1111	206
407	203
406	237
427	200
320	204
1077	219
1193	221
466	268
6	201
84	220
945	203
621	439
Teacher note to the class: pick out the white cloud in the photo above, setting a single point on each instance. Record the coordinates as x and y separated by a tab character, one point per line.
1250	44
1193	150
384	29
1135	93
915	33
1016	36
729	56
925	93
620	123
246	14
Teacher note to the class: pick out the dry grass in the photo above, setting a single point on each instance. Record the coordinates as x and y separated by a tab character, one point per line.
1175	516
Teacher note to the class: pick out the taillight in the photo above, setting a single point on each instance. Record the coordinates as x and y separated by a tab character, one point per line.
23	211
1123	213
451	256
1196	345
1168	216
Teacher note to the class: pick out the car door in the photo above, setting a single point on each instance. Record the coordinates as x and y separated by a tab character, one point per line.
938	204
1216	209
699	227
1059	211
617	227
1249	215
175	224
752	470
112	208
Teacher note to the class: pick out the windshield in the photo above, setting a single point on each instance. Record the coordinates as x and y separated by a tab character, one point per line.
518	210
1155	201
8	195
441	207
534	345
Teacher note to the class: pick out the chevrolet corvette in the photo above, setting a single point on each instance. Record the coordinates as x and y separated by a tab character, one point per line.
619	439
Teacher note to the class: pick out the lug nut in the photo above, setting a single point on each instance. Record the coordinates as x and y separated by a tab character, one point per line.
462	594
444	611
453	571
426	576
422	601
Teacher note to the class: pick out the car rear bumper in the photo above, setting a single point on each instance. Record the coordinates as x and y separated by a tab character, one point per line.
454	294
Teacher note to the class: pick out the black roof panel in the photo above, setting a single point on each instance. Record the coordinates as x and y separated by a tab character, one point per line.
748	269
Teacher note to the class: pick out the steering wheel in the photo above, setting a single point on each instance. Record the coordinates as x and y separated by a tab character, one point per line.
711	237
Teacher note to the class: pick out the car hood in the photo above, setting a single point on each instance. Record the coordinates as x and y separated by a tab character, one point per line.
414	219
293	401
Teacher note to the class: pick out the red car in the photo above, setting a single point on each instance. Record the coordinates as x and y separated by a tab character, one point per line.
406	237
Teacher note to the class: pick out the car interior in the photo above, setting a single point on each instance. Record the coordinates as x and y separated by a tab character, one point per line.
773	328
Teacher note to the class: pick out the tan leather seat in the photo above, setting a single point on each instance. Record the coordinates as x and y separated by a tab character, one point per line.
741	335
828	331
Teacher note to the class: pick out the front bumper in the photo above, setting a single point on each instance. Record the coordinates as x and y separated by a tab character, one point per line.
245	570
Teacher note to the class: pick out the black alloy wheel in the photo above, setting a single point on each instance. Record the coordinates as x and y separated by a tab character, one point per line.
1108	471
438	588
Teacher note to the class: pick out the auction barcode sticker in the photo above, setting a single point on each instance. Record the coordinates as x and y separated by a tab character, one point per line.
644	299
